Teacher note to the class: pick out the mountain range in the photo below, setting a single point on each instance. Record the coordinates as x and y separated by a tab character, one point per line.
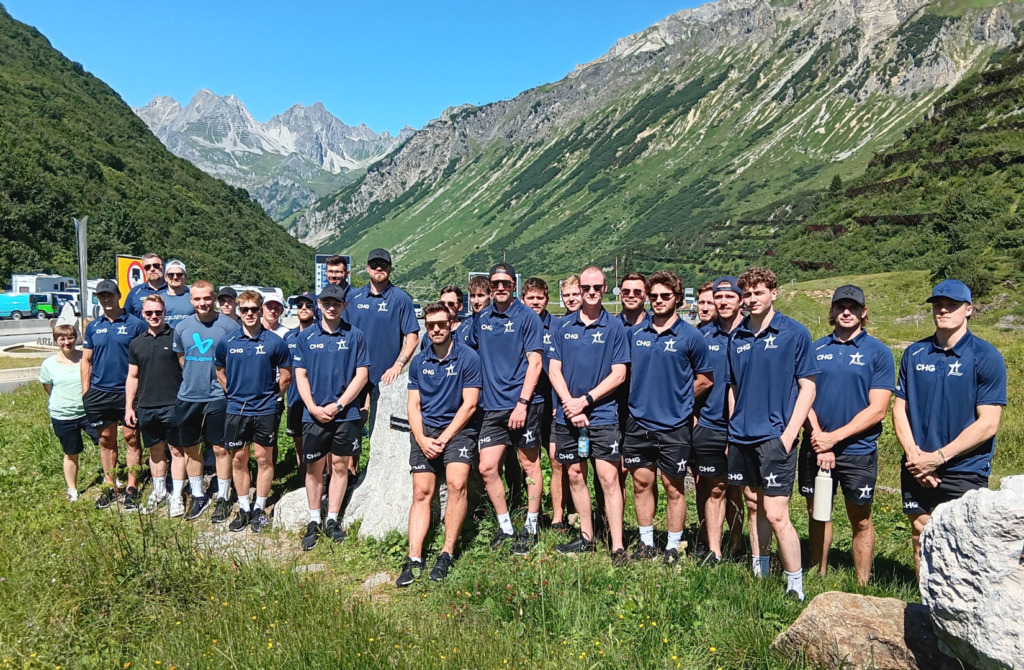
284	164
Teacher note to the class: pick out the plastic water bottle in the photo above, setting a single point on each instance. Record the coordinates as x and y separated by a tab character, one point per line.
822	508
583	443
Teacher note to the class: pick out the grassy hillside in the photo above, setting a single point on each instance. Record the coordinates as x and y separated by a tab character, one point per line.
71	148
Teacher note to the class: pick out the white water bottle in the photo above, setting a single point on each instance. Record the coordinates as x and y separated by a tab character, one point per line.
822	508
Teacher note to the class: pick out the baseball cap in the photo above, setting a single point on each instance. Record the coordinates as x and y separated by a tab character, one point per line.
726	283
107	286
334	291
228	291
849	292
273	295
502	268
954	289
306	295
379	254
175	263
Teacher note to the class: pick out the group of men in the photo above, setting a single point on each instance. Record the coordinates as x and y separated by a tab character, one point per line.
642	393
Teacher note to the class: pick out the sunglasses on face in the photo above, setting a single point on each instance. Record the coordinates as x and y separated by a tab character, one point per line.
632	291
153	312
663	297
452	304
249	310
596	288
331	304
436	325
378	265
274	307
153	266
501	283
304	305
175	275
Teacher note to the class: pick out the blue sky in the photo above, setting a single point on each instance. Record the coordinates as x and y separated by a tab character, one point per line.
385	64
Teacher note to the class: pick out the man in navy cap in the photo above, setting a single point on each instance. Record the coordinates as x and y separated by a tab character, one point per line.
227	303
950	395
305	309
332	362
841	434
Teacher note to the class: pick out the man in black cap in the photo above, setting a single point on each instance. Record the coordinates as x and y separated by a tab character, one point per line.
227	301
305	306
842	428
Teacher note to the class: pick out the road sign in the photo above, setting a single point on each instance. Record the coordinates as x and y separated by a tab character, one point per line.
129	275
320	270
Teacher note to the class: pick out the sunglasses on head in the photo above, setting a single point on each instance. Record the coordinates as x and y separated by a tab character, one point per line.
632	291
587	288
249	310
153	312
664	297
501	283
153	266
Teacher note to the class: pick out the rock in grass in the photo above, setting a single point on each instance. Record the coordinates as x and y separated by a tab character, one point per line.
292	511
373	581
845	630
971	576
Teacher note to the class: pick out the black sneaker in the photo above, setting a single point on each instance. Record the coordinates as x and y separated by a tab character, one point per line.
441	568
671	556
221	511
645	552
559	526
524	542
500	538
199	506
108	496
259	520
312	536
240	521
410	571
333	530
700	552
579	545
793	594
131	498
620	558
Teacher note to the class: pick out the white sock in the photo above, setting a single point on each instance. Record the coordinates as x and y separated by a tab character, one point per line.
674	539
531	522
243	503
314	515
196	483
261	502
223	488
795	582
72	491
647	535
160	485
332	516
505	521
761	565
118	484
177	486
416	559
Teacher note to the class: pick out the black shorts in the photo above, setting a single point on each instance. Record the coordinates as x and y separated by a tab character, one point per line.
604	444
494	430
242	430
856	472
667	450
197	419
341	438
547	421
764	464
461	449
918	499
69	432
293	420
156	425
103	408
709	457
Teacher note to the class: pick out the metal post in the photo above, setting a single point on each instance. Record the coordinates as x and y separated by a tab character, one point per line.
83	272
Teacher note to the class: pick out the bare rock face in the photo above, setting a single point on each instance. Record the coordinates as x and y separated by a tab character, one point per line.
845	630
971	576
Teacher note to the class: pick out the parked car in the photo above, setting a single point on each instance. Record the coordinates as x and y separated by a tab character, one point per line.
48	305
418	310
17	306
67	296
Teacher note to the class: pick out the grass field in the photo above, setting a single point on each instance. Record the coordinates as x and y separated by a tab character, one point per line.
10	362
81	588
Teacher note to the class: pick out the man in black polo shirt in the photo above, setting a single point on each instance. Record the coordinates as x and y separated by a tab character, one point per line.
151	392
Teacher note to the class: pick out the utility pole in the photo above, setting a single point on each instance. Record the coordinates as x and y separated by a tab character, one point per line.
83	272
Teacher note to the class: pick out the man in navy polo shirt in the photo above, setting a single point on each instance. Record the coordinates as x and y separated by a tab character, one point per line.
153	266
709	460
771	378
854	387
587	365
670	368
950	396
306	310
508	337
177	300
248	366
104	371
444	386
332	362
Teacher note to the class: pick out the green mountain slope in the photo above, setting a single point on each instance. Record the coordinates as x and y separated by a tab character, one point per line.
71	147
706	117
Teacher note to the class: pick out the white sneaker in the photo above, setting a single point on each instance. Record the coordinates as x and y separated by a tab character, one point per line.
156	498
72	495
175	507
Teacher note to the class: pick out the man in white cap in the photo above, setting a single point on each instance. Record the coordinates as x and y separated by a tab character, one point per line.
177	300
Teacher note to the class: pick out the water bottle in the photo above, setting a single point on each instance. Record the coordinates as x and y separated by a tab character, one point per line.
822	508
583	443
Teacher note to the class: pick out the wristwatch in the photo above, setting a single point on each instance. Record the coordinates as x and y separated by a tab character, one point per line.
338	405
523	401
590	398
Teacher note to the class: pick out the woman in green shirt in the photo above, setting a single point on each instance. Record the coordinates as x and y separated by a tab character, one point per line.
61	376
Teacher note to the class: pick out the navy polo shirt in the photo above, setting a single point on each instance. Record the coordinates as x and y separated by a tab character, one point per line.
848	371
943	387
664	366
385	319
251	365
502	339
179	307
714	413
587	354
629	326
544	392
109	342
330	360
441	382
291	338
765	369
133	303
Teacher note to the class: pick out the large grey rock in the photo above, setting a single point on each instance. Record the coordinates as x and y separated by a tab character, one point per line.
971	577
292	511
384	497
845	630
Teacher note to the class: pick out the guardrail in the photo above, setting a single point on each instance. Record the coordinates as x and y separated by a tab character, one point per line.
10	327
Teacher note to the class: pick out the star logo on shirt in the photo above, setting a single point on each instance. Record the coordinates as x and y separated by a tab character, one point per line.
615	447
954	370
770	480
528	437
464	452
670	345
855	359
342	345
547	338
769	342
450	370
382	306
122	330
865	492
259	350
598	338
508	326
680	465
